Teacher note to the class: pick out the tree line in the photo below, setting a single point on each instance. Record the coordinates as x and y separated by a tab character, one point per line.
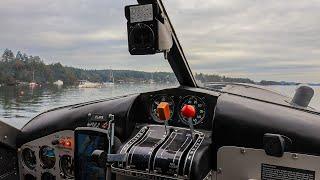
20	67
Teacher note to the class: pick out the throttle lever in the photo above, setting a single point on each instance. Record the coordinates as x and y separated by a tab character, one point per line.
163	111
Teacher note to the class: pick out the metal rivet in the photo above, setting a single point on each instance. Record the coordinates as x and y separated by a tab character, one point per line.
294	156
5	137
219	170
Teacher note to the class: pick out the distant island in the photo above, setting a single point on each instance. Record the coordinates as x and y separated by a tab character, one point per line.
22	68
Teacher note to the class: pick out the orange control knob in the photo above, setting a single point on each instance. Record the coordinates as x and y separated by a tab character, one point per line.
163	111
188	111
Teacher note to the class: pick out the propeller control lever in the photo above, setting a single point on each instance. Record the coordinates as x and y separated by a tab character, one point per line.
189	112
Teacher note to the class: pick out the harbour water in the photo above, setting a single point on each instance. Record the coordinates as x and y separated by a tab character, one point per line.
19	104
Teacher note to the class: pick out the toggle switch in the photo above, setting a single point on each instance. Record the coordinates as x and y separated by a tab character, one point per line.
163	111
189	112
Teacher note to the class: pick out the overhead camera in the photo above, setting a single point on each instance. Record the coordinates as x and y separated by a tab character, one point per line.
147	31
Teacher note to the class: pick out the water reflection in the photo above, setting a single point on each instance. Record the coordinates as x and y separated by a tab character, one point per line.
18	104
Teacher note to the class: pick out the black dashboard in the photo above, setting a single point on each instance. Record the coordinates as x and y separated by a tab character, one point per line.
42	155
222	120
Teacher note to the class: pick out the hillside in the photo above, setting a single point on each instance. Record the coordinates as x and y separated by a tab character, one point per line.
20	68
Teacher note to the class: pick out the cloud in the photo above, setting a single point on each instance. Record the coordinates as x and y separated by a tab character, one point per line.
276	40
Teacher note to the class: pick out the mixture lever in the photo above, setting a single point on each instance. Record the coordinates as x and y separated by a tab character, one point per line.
163	111
189	112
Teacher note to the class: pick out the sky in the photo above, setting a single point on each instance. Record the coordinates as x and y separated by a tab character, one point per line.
271	40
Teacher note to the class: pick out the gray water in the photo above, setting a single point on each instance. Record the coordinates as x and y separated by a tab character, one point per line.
19	104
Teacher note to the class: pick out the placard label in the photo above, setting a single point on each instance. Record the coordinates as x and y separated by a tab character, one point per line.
273	172
141	13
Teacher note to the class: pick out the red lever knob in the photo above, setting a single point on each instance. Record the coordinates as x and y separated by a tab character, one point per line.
188	111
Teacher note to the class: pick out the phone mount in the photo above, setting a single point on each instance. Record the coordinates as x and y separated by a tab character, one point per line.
147	30
94	151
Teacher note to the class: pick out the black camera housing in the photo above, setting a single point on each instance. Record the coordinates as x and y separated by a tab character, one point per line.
142	25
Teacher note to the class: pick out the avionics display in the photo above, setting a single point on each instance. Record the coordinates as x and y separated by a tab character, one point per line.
87	140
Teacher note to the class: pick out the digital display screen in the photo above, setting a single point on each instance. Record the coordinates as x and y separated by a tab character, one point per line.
141	13
85	145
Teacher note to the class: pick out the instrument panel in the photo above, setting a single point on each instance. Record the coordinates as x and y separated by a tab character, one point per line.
48	157
195	101
203	103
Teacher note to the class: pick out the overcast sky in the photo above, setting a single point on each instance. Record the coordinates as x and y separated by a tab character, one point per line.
273	39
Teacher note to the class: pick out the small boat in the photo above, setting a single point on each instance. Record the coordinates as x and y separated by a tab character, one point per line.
88	84
33	84
58	83
108	83
111	80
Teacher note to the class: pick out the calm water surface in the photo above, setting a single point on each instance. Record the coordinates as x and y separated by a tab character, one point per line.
19	104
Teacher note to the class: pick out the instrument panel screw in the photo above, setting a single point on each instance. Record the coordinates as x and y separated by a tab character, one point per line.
219	170
294	156
242	151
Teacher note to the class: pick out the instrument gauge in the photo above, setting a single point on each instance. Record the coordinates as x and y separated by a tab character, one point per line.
67	166
156	101
29	158
199	105
47	157
47	176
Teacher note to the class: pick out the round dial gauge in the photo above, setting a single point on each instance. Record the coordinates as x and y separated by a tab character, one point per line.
47	176
156	101
47	157
199	105
67	166
29	158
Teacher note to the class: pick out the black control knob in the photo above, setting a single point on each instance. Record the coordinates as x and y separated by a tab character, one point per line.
55	142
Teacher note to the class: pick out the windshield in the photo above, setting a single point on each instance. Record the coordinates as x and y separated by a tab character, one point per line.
56	53
270	43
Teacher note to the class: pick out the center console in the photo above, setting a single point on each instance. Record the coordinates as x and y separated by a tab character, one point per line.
156	152
153	152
